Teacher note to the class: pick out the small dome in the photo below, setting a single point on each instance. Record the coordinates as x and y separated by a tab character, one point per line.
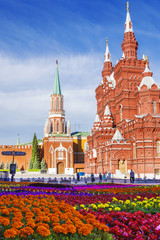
148	81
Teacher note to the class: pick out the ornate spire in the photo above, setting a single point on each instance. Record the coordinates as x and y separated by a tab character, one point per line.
128	23
18	141
57	87
129	45
107	54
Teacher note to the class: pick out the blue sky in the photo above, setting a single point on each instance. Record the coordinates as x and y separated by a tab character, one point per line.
34	33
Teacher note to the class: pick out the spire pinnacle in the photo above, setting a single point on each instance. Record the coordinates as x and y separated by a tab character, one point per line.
18	141
128	23
107	54
127	6
57	87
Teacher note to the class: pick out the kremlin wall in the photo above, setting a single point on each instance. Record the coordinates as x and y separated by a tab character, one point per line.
126	131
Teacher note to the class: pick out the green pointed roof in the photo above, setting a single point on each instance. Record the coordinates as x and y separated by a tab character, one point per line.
57	87
18	141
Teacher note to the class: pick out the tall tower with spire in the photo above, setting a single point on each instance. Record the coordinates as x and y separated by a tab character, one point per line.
56	113
125	134
129	45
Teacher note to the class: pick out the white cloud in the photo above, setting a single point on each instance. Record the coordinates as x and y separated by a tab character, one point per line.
26	86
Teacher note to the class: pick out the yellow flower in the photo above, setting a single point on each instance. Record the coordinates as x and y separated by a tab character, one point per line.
82	206
117	208
110	209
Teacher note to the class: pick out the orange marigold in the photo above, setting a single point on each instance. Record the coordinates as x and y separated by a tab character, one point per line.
59	229
84	230
5	211
10	233
103	227
43	231
17	224
4	221
43	224
31	224
26	231
69	227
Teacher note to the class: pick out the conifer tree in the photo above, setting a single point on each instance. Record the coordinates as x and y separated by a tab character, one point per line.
36	164
7	165
30	164
43	165
2	165
35	150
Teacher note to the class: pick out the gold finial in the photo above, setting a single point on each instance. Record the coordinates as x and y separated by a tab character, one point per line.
146	59
127	6
107	41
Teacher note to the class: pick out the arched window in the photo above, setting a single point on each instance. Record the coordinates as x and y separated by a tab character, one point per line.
57	102
154	107
62	127
139	107
57	127
158	148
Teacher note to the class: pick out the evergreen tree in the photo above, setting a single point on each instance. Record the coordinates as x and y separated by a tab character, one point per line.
2	165
35	149
16	164
30	164
43	165
7	165
36	164
11	161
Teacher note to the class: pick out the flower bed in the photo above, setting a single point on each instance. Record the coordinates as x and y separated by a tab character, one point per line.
79	212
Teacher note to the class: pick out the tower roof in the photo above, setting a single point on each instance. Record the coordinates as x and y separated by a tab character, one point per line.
97	118
107	111
128	23
57	87
117	136
107	54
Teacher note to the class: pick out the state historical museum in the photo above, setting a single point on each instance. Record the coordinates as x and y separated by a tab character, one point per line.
126	131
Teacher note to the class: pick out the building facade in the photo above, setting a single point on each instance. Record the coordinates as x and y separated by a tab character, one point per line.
62	150
126	131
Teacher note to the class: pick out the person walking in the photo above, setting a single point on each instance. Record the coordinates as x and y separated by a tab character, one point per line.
104	177
78	176
92	177
131	176
100	177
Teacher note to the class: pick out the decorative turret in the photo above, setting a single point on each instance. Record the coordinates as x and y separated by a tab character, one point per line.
107	120
96	124
56	113
46	128
147	77
107	69
129	45
68	128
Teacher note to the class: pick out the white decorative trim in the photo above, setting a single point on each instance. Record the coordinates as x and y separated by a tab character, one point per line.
61	148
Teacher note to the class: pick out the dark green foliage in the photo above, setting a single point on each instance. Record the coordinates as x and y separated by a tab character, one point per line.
30	164
35	152
36	164
7	165
2	165
43	165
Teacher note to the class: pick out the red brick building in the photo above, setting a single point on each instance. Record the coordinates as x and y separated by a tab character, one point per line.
126	131
62	150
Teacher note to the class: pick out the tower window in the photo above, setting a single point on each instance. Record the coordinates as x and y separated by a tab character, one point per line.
57	127
154	107
57	104
121	113
158	148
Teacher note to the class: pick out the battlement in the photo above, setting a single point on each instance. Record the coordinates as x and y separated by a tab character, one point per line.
17	147
128	62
